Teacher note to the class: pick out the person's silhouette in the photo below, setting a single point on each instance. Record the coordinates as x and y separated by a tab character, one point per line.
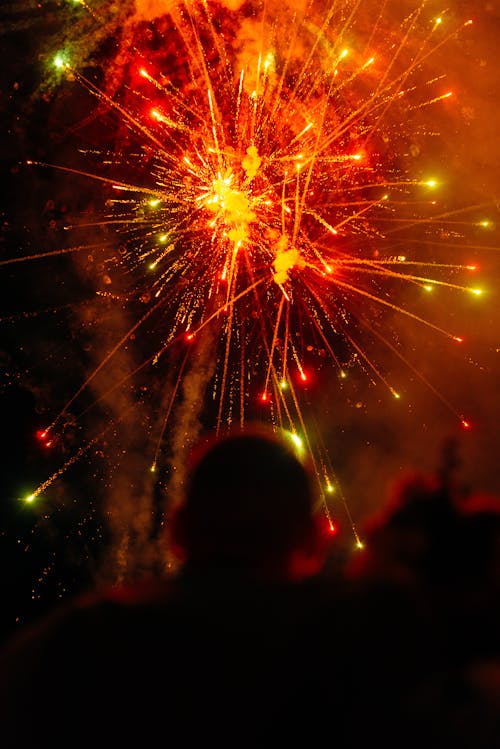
219	654
249	510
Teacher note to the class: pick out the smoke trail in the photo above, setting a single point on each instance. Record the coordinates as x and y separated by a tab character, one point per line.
127	501
187	421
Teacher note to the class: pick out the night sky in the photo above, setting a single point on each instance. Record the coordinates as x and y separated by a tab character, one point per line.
59	314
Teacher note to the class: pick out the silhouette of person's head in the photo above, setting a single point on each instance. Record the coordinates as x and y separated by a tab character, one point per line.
428	533
248	506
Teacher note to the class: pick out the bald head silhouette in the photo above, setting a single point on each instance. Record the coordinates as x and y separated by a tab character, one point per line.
248	505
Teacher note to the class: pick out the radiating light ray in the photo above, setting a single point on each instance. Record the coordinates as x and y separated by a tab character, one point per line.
437	393
108	357
60	471
52	253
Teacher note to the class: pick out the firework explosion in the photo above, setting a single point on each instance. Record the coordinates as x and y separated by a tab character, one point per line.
263	171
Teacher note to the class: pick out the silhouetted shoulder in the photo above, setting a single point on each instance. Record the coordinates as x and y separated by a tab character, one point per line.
219	660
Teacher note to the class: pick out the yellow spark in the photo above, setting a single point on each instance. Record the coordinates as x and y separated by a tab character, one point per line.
160	117
251	162
430	183
292	436
284	261
296	441
305	130
154	202
428	287
329	488
269	60
477	292
59	61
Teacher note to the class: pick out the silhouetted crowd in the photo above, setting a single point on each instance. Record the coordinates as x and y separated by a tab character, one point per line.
258	640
